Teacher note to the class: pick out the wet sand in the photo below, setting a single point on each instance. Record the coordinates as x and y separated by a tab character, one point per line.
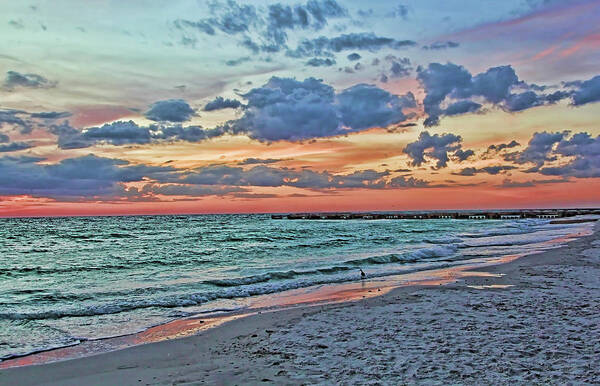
535	319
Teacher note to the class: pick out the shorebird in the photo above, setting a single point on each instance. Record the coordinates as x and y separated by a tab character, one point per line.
362	274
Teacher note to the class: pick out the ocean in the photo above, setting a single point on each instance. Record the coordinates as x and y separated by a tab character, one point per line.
66	280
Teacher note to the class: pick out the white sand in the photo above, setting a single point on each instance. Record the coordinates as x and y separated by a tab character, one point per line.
543	328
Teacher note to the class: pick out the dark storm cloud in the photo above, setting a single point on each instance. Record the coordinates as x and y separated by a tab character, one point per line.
220	103
287	109
320	62
171	110
434	146
15	79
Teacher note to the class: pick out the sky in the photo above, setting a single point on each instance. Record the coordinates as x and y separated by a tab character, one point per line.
150	107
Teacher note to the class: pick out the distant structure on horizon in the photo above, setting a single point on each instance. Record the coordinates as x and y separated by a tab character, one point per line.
434	215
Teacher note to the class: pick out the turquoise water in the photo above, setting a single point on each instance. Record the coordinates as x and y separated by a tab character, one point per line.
65	280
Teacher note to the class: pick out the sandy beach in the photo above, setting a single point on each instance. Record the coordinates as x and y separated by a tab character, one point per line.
533	320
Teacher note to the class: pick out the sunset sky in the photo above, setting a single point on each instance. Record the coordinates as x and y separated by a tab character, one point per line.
142	107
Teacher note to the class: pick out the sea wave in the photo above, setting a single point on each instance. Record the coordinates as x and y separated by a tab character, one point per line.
39	270
193	299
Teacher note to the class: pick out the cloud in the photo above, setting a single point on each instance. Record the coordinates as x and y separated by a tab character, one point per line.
433	146
320	62
287	109
282	109
522	101
439	80
238	61
202	26
576	156
323	46
15	79
584	151
171	110
493	170
400	10
538	150
461	107
508	183
189	190
588	92
451	90
364	106
314	14
410	182
232	18
220	103
116	133
15	146
88	176
51	115
13	118
463	155
502	146
441	45
128	132
271	27
400	68
18	24
267	176
99	178
254	161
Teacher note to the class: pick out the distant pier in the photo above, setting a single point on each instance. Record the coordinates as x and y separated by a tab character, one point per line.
436	215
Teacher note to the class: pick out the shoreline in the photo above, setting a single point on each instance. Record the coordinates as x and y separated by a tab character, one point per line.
119	364
310	296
